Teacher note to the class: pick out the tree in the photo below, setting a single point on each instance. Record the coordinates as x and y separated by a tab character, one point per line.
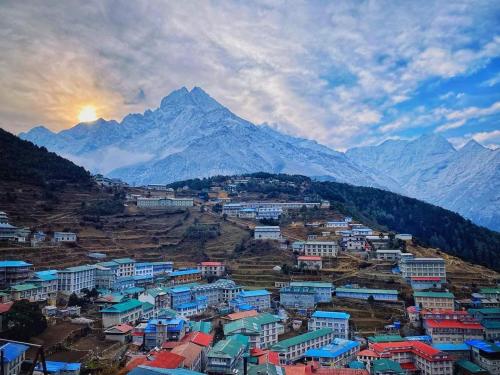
74	300
24	320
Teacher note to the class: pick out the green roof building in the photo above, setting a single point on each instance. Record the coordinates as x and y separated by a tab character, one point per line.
226	356
125	312
386	367
293	348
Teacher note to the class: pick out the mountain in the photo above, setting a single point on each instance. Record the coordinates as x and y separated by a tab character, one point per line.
23	162
192	135
429	168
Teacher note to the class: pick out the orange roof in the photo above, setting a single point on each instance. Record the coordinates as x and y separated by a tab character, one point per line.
202	339
367	353
166	360
211	264
308	257
124	328
297	370
137	361
189	351
242	314
340	371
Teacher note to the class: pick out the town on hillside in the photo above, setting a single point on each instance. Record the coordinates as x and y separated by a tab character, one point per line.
234	275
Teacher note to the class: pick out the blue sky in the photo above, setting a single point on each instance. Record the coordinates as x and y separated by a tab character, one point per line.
344	73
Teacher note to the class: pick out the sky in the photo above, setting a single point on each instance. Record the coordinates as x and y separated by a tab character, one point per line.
346	74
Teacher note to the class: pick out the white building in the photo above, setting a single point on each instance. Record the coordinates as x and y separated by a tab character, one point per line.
125	312
310	262
126	267
337	224
390	255
321	248
211	269
267	233
74	279
64	237
159	202
420	267
335	320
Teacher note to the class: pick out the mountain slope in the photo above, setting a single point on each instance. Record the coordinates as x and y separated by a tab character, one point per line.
466	181
22	161
191	135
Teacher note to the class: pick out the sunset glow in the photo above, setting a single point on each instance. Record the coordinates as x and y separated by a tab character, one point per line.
87	114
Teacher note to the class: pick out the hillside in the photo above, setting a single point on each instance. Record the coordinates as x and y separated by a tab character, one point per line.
431	225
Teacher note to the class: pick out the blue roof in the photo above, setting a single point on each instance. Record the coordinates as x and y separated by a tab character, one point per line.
254	293
143	277
50	275
180	289
333	350
53	366
12	351
184	272
451	347
331	315
174	324
14	263
187	305
485	346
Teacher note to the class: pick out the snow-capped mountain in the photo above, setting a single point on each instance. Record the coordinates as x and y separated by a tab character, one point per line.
466	181
192	135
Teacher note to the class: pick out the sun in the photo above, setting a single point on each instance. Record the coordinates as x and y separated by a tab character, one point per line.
87	114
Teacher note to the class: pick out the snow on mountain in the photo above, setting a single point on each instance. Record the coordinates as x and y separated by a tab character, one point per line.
466	181
192	135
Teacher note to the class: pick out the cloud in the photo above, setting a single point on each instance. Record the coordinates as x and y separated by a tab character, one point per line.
493	81
327	71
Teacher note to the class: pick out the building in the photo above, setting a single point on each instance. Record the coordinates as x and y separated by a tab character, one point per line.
453	331
48	282
120	333
335	320
261	330
8	232
157	331
420	267
336	354
28	291
383	295
192	354
75	279
211	269
258	299
412	356
485	355
64	237
386	367
389	255
164	202
298	297
337	224
13	355
125	312
353	242
184	276
157	297
14	272
126	267
491	329
226	355
144	269
222	290
267	233
328	249
323	291
362	231
292	349
425	282
457	351
162	268
434	300
273	213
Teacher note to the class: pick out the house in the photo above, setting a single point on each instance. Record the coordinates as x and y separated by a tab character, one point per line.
258	299
429	267
389	255
425	282
214	269
267	233
485	355
121	333
59	368
335	320
353	242
162	268
226	356
144	269
179	295
240	315
193	308
457	351
434	300
362	231
262	330
8	232
48	282
27	291
222	290
156	296
163	202
491	329
273	213
292	349
412	356
310	262
337	224
125	312
37	238
184	276
157	331
336	354
386	367
75	279
298	297
126	267
453	331
13	356
64	237
14	272
322	290
384	295
192	355
328	249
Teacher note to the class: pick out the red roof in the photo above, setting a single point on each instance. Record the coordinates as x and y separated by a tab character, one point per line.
202	339
166	360
444	312
124	328
5	307
309	257
416	347
137	361
265	356
449	323
425	278
408	366
168	345
211	264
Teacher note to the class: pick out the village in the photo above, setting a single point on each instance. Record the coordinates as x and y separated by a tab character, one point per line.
303	289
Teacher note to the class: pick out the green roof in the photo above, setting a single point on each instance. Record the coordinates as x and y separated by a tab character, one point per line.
228	348
386	365
491	324
123	260
205	327
489	290
147	306
266	368
434	294
470	366
264	318
23	287
485	310
366	291
385	338
78	269
246	327
107	264
123	306
285	344
313	284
